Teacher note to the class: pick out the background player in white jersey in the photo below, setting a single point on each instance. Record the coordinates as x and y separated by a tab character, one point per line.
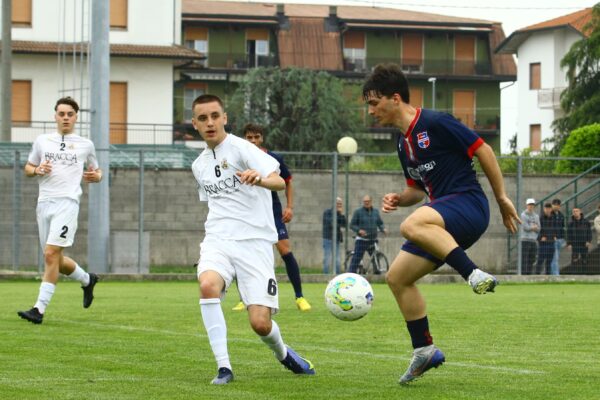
57	160
236	178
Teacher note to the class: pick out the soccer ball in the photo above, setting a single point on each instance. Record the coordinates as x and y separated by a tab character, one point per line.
349	297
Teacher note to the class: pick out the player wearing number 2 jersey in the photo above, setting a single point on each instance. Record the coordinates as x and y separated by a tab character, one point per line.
57	160
436	153
236	179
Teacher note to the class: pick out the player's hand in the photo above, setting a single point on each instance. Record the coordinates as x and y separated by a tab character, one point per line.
249	177
45	168
92	175
509	214
390	202
287	215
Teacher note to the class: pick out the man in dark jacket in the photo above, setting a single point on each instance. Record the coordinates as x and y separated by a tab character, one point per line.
365	223
546	240
579	237
559	223
328	235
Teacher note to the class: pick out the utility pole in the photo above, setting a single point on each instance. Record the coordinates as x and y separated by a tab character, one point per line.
6	66
99	194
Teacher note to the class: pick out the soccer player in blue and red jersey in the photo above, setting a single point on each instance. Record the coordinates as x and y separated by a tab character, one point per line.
436	153
255	133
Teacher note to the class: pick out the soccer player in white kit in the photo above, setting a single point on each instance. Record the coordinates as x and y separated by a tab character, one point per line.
236	178
57	161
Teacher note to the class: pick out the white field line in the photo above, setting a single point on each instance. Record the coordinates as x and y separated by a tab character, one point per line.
307	346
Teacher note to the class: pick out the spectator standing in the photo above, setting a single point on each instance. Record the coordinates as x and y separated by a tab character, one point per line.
559	243
328	235
365	222
546	239
579	237
530	228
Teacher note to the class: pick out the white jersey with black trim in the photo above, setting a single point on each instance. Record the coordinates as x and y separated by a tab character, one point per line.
236	211
69	155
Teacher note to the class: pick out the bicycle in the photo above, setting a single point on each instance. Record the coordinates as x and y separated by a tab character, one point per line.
377	261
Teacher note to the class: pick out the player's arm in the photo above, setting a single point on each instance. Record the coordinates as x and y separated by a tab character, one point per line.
272	182
92	175
38	170
288	212
411	195
489	164
252	177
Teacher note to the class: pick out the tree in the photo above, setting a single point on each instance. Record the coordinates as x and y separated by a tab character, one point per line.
581	99
302	110
582	142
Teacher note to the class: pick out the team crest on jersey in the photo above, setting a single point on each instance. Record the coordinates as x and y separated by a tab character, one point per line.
224	164
423	140
71	146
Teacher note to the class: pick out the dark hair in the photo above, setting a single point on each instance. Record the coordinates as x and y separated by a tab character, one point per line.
255	128
68	101
556	201
547	205
207	98
386	80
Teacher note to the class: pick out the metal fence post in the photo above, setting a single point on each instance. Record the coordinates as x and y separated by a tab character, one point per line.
518	207
141	213
16	237
334	226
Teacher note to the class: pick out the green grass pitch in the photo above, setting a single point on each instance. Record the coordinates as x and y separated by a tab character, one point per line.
145	340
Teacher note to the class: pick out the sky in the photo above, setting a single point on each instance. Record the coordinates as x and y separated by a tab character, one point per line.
513	14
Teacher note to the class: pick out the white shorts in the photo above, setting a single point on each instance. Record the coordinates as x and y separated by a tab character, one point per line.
57	221
250	261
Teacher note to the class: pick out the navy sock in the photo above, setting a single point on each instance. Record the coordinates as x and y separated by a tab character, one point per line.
459	260
419	332
293	272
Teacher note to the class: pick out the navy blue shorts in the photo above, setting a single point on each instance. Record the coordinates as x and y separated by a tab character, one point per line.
466	216
282	232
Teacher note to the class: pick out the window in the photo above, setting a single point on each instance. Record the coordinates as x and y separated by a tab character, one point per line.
21	12
412	52
464	55
535	137
535	76
118	113
196	38
21	103
355	52
416	96
118	14
190	92
257	47
464	107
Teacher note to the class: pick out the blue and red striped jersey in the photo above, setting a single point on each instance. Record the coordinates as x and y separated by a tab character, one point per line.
436	154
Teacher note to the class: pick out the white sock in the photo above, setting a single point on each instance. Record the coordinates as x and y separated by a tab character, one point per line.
80	275
214	322
46	292
275	341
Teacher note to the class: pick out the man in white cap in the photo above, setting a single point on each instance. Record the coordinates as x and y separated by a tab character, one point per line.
530	229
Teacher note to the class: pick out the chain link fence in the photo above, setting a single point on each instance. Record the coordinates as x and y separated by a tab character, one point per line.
157	221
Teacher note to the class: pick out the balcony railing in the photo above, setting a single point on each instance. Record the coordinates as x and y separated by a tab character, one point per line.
147	134
239	60
550	98
423	66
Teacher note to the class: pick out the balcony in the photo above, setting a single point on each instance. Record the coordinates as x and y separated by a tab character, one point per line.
420	67
549	98
240	60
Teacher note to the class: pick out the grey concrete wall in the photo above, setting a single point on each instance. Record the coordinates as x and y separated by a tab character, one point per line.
174	217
